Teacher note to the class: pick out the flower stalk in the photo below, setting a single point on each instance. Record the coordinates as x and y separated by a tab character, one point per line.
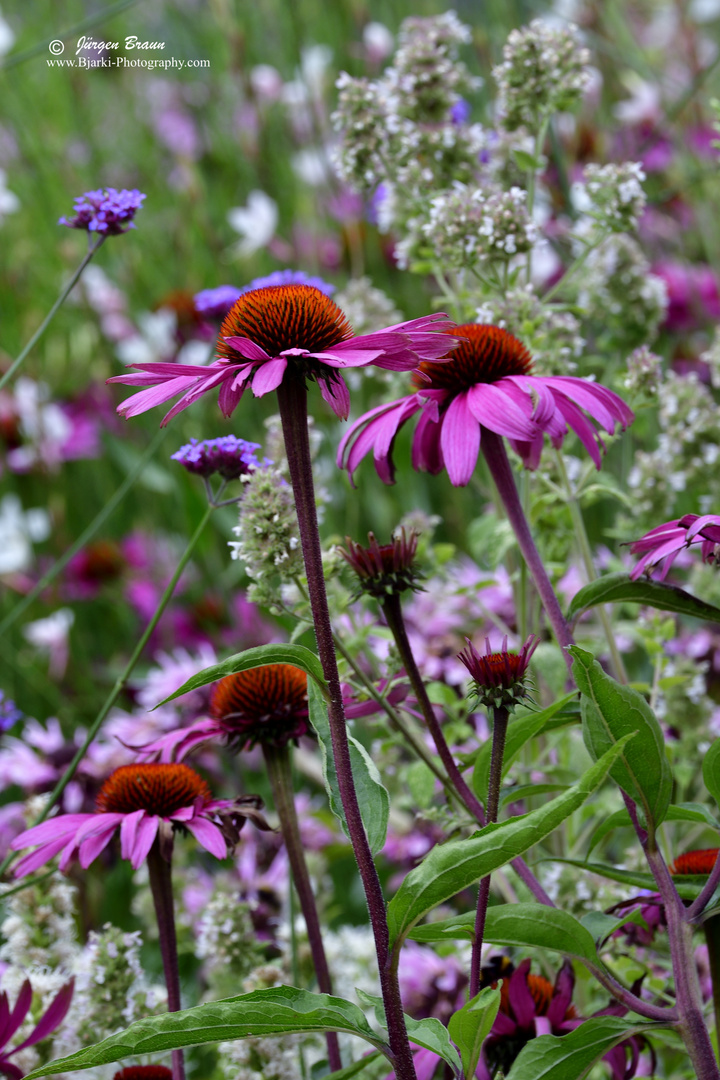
292	401
495	453
279	766
160	871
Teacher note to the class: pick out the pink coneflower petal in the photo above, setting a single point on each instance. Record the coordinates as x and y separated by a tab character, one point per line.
229	397
155	395
55	829
128	832
145	838
521	1000
337	396
209	835
582	427
13	1020
427	455
52	1017
348	357
269	376
247	348
493	406
460	441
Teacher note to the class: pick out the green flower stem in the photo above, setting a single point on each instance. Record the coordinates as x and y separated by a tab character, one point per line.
500	723
584	545
160	872
52	312
120	682
279	767
87	535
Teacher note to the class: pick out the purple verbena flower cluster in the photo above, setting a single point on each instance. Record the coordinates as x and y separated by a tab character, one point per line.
229	456
105	211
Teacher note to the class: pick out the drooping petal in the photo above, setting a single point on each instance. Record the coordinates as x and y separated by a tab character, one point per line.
209	835
495	409
147	830
52	1017
13	1020
48	831
427	455
460	440
248	349
519	996
345	355
582	427
229	397
128	832
385	431
154	395
337	395
268	376
42	855
602	404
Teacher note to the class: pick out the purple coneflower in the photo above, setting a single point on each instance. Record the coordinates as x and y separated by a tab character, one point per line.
142	802
280	333
663	544
499	677
384	569
488	384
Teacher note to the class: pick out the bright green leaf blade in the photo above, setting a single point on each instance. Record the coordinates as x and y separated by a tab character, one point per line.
572	1056
281	1010
524	791
297	655
449	868
688	886
470	1025
521	729
524	925
681	812
615	588
373	798
711	771
611	711
433	1035
601	926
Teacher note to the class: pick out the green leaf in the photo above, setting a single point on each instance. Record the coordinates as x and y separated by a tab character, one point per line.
609	712
470	1025
523	791
449	868
526	161
711	770
681	812
433	1035
688	886
421	782
372	797
281	1010
297	655
525	925
352	1070
616	588
601	926
572	1056
521	729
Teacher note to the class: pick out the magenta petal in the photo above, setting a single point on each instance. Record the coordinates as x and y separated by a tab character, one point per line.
460	441
56	828
268	376
247	348
128	832
89	849
40	856
337	396
495	409
602	404
519	996
209	835
51	1018
582	427
426	453
13	1020
229	397
145	837
358	425
155	395
346	355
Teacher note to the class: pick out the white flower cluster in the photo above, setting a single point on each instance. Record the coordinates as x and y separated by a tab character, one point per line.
227	942
39	929
613	195
427	77
619	294
269	538
367	309
644	375
544	70
553	337
687	451
711	357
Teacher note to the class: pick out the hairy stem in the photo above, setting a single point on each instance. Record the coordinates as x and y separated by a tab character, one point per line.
711	929
500	469
279	767
51	313
392	609
500	723
292	400
161	887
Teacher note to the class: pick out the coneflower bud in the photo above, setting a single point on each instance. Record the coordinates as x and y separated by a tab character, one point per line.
384	570
499	677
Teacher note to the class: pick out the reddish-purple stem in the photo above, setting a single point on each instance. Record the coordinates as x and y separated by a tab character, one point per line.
161	887
292	400
495	453
279	767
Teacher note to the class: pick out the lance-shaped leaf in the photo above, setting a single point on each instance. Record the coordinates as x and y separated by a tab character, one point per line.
696	812
450	868
711	770
611	711
602	926
470	1025
433	1035
520	730
524	925
615	588
281	1010
688	886
297	655
372	797
572	1056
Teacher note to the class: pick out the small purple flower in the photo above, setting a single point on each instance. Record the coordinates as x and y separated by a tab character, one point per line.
229	456
288	277
105	211
215	303
460	112
9	712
